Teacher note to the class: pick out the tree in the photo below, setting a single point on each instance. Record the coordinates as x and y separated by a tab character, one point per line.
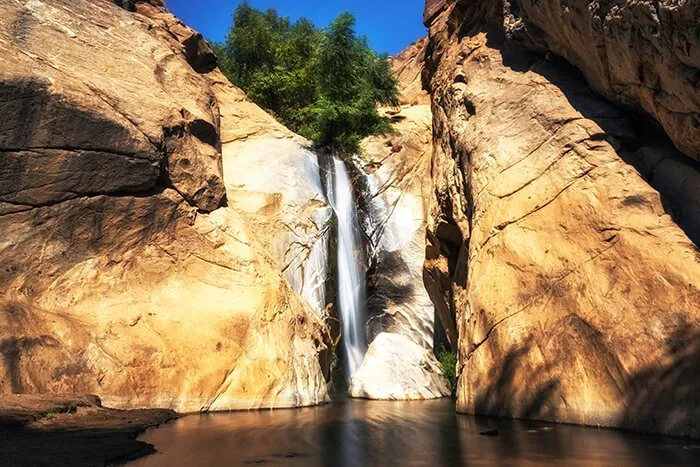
323	84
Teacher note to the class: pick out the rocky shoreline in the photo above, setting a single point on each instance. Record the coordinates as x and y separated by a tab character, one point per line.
65	430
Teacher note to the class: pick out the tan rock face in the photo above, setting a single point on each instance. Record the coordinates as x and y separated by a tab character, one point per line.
408	66
113	281
74	70
642	54
576	294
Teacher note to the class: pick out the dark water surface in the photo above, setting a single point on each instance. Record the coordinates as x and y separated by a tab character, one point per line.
359	433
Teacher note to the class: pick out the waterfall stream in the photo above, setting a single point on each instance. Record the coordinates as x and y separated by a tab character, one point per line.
350	273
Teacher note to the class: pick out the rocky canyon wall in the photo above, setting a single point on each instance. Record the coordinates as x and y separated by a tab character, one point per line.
395	187
143	259
566	260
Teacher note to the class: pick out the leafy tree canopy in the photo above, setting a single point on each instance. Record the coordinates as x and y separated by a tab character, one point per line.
324	84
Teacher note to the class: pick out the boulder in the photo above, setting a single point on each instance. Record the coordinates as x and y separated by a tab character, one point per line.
396	368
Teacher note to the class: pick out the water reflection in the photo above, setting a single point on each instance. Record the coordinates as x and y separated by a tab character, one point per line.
358	433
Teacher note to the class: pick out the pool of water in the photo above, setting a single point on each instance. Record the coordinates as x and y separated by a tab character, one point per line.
359	433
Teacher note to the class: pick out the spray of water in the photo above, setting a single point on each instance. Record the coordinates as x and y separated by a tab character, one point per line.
351	275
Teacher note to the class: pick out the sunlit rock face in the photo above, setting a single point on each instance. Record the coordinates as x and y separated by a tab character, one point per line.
396	368
575	291
273	180
130	268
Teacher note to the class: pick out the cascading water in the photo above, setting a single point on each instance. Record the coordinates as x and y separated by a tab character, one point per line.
351	274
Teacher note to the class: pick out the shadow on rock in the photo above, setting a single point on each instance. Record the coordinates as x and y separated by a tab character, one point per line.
505	396
664	397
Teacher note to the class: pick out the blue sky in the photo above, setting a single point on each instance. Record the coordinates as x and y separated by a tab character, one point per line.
390	25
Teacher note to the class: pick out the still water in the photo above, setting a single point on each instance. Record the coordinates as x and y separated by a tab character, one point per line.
359	433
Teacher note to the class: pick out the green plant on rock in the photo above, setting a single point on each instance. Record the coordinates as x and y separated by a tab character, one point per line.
448	366
324	84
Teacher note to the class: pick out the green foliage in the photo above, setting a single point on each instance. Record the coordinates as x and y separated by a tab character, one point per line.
323	84
448	366
225	62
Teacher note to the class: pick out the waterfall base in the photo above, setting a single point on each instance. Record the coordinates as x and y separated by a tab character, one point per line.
396	368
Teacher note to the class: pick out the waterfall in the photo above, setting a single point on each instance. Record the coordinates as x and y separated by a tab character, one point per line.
351	274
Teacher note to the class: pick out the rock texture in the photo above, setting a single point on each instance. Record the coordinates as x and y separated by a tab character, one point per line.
408	67
396	368
125	270
643	54
676	177
576	294
393	211
273	179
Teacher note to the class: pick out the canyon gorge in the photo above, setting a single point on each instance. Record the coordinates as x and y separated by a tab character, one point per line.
166	243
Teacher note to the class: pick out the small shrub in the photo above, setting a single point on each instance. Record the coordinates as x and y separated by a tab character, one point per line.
448	366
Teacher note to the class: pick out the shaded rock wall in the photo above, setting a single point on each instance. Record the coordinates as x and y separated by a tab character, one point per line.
644	55
126	270
576	293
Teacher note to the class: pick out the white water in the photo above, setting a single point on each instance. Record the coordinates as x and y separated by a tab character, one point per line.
351	274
